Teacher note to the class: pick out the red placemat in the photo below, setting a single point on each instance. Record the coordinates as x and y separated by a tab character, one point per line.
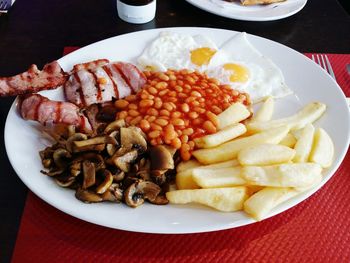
316	230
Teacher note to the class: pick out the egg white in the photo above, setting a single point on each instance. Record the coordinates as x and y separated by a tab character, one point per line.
173	51
265	78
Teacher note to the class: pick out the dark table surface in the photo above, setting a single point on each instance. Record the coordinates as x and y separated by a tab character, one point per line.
35	31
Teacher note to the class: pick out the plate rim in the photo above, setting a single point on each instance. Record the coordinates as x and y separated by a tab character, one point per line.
298	199
244	17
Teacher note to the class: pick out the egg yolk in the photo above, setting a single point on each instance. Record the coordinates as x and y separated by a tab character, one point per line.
240	73
201	56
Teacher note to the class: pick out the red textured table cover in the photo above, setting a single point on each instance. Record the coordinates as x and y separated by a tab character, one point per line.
316	230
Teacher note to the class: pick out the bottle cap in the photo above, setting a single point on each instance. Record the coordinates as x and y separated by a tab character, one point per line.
136	14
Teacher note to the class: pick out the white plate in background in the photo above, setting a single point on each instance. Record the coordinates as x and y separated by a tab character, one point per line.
305	78
237	11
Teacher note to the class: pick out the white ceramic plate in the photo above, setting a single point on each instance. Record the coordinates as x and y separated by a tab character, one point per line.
310	83
250	13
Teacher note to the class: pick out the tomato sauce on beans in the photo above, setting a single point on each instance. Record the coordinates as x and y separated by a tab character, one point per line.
175	107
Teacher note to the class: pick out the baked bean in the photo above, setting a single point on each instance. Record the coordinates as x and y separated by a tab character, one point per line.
173	83
172	94
172	77
213	118
167	106
177	122
185	107
159	141
176	143
176	114
216	109
193	115
131	98
152	90
164	77
164	112
161	85
133	113
121	104
184	138
154	134
156	127
146	103
158	103
196	94
144	125
178	88
132	106
187	131
153	142
163	92
136	120
172	99
153	112
195	103
128	119
152	119
161	122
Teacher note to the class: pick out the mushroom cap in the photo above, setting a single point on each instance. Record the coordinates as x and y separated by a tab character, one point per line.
161	158
138	192
132	137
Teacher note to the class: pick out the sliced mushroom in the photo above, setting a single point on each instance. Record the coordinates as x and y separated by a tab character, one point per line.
60	157
113	194
96	158
160	200
118	176
132	137
47	163
53	172
94	144
73	138
159	176
138	192
112	148
89	174
143	169
161	158
107	182
65	181
114	126
123	162
87	196
75	169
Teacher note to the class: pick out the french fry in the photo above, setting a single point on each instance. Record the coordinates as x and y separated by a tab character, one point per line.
184	179
310	113
214	178
228	133
304	144
323	149
283	175
223	199
261	203
265	112
289	140
183	166
236	113
265	154
229	150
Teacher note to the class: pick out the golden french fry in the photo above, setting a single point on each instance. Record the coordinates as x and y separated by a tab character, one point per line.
229	150
283	175
323	149
223	199
304	144
228	133
265	112
214	178
289	140
265	154
185	165
310	113
237	112
184	179
262	202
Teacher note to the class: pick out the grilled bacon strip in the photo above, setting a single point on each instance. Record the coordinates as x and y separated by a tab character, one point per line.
39	108
99	81
33	80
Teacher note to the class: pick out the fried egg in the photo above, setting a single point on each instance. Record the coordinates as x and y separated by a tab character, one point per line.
236	63
177	51
239	64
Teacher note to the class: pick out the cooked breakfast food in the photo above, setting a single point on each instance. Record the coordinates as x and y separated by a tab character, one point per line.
182	116
260	2
100	81
33	80
256	2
